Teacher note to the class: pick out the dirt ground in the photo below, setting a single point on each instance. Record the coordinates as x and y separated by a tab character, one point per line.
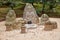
32	34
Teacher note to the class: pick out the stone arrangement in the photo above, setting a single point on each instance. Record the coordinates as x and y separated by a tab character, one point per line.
29	17
44	19
10	20
30	14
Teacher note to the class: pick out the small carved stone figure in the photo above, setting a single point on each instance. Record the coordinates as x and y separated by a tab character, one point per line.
20	23
44	18
10	20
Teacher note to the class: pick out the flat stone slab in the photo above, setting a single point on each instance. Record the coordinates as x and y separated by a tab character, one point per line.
31	26
32	34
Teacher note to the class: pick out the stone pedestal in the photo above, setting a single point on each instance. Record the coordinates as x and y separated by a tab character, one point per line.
9	27
50	26
44	19
54	25
23	29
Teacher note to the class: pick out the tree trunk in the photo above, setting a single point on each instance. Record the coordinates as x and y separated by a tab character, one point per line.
43	8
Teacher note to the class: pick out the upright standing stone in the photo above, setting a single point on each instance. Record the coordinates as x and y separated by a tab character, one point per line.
44	19
30	14
22	25
10	20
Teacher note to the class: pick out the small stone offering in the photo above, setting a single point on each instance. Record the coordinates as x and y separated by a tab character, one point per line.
23	29
22	25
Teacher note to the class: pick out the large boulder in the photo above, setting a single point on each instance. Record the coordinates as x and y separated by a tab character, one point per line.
30	14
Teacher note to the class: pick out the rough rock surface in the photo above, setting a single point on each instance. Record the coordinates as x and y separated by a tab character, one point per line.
30	14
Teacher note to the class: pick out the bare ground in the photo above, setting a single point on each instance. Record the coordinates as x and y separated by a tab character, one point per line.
32	34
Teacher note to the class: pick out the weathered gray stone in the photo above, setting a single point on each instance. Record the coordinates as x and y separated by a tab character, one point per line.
44	19
10	20
30	14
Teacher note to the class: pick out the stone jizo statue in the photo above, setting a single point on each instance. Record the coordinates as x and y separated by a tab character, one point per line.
10	20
